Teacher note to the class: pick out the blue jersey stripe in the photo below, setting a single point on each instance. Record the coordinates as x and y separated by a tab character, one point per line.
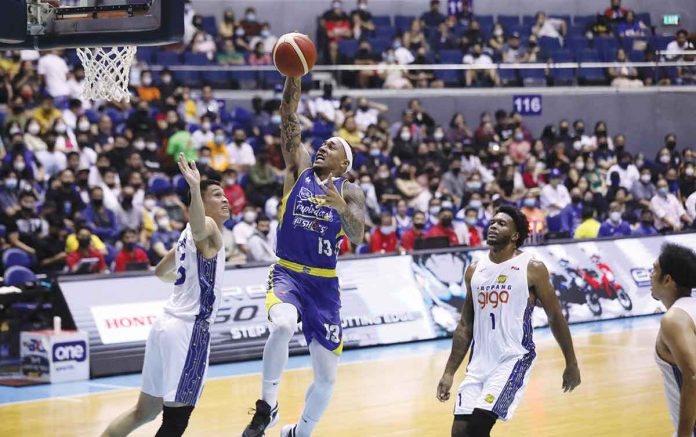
191	379
519	371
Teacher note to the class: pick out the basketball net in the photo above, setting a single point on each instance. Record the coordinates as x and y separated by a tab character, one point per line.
107	72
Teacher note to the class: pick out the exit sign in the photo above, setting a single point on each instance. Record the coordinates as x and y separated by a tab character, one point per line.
670	20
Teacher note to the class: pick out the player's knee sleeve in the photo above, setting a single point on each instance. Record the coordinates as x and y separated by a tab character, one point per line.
481	423
174	421
284	319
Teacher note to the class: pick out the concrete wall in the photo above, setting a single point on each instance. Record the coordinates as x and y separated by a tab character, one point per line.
290	15
644	116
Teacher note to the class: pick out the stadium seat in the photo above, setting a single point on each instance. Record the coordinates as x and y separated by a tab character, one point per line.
196	59
210	25
508	21
382	21
348	47
167	58
450	56
18	275
403	22
16	257
533	77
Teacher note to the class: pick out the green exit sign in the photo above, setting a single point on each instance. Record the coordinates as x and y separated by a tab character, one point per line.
670	20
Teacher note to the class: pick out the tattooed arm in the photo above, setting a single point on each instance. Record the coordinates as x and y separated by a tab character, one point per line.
353	215
295	155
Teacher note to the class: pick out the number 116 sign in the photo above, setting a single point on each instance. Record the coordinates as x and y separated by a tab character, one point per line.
527	105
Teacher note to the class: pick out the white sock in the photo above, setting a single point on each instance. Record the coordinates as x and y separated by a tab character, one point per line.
324	363
275	353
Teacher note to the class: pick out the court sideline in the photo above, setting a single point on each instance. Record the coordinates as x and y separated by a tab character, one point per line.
389	391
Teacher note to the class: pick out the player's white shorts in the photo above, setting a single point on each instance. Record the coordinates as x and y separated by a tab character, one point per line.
499	392
176	360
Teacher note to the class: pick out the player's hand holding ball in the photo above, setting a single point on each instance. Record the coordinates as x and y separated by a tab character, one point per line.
294	55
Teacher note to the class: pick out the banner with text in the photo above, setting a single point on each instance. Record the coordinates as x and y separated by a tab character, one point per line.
384	300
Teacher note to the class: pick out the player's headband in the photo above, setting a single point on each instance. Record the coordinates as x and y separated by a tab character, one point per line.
349	153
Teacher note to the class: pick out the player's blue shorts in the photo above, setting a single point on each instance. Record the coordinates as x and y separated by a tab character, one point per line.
317	299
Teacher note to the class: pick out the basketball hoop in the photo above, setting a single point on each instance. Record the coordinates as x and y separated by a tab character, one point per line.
107	72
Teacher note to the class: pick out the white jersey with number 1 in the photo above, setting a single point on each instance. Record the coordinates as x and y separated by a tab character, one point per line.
502	350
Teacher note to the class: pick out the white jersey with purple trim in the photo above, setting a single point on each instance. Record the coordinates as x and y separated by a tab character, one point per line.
198	286
501	313
671	374
502	350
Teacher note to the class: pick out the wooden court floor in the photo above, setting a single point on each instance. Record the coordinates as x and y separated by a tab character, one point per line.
620	395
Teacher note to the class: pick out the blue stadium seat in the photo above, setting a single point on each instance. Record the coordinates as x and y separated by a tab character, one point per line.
659	42
16	257
380	45
385	32
485	20
18	275
218	79
403	22
167	58
381	21
451	56
508	21
348	47
528	20
644	17
146	54
271	78
508	77
247	80
196	59
188	78
210	25
451	78
533	77
584	20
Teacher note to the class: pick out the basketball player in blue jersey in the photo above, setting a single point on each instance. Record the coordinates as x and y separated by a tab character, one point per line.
501	291
318	208
178	346
672	281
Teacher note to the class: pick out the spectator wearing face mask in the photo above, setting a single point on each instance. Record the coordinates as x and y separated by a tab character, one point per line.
259	244
474	232
614	225
668	210
444	227
129	253
164	237
646	226
383	238
245	228
410	236
86	258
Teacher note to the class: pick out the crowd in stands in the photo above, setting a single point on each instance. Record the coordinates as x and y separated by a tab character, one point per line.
457	36
95	188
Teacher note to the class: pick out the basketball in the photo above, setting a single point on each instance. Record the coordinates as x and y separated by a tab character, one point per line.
294	54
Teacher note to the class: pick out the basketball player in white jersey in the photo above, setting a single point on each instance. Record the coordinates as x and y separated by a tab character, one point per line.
177	349
672	281
501	291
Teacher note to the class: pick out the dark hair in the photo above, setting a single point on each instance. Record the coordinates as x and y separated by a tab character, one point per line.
205	184
521	222
680	263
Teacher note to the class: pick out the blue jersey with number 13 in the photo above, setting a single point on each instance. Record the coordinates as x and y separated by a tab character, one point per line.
309	232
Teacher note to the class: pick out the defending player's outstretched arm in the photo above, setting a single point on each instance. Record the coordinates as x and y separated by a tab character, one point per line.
461	340
678	337
539	277
202	227
295	155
